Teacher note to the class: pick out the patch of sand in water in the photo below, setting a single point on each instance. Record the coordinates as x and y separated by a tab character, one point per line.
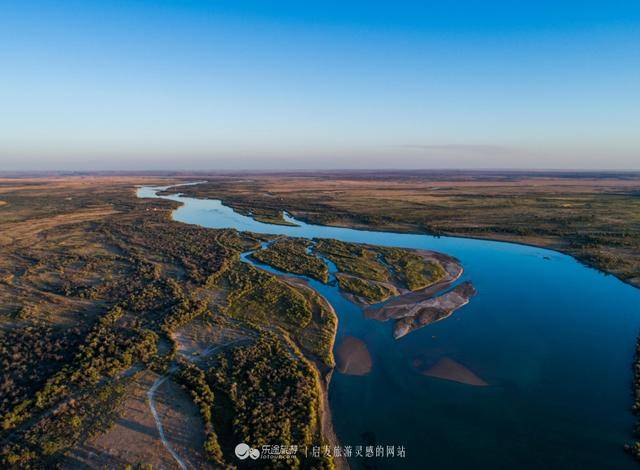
448	369
353	357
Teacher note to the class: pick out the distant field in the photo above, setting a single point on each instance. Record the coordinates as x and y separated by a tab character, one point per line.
593	217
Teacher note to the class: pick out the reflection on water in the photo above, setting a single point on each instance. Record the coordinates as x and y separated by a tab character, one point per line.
552	339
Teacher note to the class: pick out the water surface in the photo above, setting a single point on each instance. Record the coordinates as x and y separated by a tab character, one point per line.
553	338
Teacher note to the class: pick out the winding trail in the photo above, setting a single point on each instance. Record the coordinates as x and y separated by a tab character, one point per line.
152	405
150	394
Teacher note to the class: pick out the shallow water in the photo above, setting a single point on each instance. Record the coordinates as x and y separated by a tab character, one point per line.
553	338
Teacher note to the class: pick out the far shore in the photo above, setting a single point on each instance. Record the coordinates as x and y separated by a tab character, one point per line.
553	245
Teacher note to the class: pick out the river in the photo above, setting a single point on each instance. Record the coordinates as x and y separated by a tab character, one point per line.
554	340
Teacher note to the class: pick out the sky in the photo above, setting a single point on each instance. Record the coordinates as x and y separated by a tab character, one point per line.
206	85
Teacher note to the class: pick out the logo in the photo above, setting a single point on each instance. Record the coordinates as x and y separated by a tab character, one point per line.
243	451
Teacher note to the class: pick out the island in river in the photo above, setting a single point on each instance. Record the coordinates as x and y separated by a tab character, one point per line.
407	286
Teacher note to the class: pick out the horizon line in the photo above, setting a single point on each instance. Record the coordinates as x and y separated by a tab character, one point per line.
319	170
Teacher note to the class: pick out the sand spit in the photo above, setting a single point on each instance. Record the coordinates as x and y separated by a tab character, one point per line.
413	315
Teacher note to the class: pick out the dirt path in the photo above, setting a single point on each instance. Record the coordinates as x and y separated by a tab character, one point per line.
134	438
150	395
154	412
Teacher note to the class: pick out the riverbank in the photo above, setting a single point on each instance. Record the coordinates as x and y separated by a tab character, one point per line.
323	367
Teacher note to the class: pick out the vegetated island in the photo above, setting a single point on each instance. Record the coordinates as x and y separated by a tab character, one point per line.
292	255
389	283
397	283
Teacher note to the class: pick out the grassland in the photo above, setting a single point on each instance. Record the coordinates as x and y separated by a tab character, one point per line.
594	217
94	286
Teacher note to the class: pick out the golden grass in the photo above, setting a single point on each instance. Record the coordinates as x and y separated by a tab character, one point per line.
21	231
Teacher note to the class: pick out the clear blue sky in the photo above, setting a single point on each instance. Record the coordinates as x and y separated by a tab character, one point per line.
313	84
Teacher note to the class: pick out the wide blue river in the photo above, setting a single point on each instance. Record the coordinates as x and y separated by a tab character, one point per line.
553	338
